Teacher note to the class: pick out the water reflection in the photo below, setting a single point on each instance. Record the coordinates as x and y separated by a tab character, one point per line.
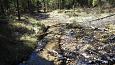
34	58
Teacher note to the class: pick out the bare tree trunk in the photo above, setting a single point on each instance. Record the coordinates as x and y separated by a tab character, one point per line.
29	7
47	5
62	4
59	4
38	6
2	12
19	17
44	5
74	5
100	6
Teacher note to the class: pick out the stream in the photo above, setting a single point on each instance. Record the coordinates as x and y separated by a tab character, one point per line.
80	45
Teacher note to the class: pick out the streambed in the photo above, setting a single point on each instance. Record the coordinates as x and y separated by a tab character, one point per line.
73	44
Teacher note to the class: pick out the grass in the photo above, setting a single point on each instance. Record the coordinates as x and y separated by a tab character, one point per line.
18	40
111	28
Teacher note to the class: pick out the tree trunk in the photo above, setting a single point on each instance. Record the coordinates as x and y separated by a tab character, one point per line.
59	4
44	6
18	10
74	5
100	6
62	4
2	12
38	6
47	6
28	5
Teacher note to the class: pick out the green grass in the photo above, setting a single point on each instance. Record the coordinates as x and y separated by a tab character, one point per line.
17	40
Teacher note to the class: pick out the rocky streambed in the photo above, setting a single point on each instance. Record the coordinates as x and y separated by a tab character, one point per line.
73	44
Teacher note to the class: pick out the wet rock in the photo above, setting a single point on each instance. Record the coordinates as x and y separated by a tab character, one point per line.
72	33
111	39
41	44
87	39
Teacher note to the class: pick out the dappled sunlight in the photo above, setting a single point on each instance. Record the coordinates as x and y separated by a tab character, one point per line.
19	39
28	38
57	32
111	28
19	24
66	44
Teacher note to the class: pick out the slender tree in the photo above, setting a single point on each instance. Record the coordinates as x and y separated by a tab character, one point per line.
18	10
2	11
44	5
59	4
38	6
28	5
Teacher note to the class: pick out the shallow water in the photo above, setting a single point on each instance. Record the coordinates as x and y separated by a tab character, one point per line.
34	58
68	44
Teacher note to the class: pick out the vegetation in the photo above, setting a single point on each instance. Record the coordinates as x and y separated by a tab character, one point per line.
18	40
23	23
17	7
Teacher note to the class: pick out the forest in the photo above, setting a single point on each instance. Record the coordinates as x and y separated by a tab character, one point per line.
57	32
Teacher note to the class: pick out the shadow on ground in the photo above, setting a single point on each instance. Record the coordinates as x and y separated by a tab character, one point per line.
13	50
40	16
35	59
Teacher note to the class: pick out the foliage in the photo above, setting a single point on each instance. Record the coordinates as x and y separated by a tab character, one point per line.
18	38
94	2
10	6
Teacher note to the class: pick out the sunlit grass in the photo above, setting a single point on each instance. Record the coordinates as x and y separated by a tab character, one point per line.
28	38
111	28
19	24
19	38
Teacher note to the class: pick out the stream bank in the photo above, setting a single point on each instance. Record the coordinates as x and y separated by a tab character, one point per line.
80	46
70	41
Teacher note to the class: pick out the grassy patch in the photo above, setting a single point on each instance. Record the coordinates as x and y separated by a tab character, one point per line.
18	39
111	28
